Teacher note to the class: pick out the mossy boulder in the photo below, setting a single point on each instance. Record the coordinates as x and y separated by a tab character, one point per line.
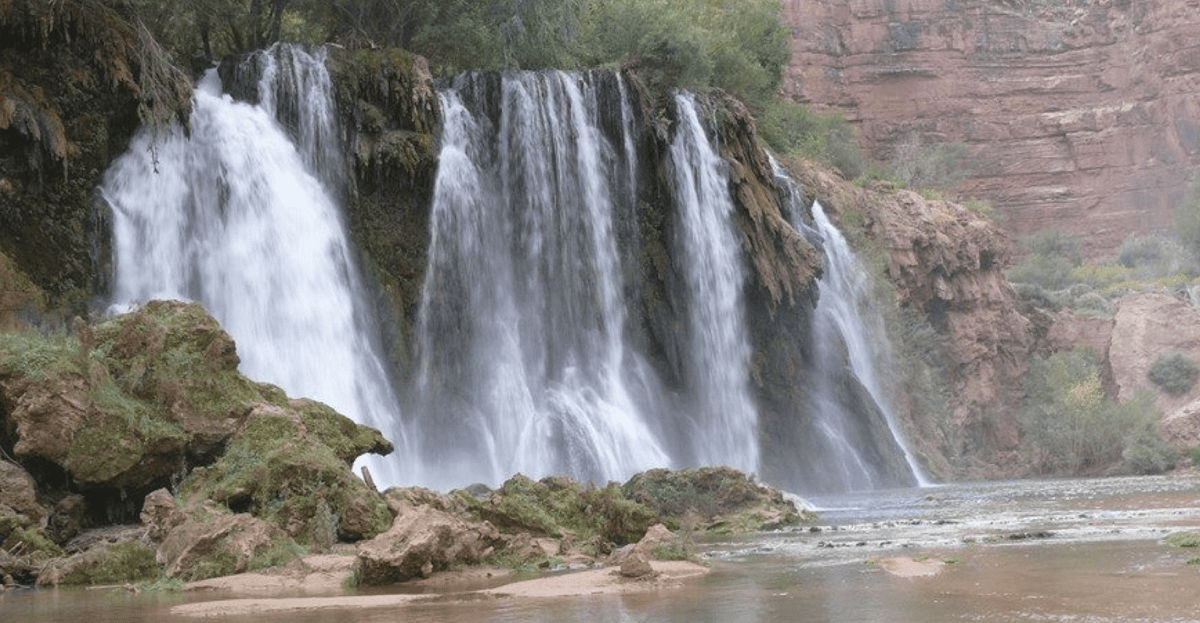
719	499
129	403
118	563
560	507
208	541
290	465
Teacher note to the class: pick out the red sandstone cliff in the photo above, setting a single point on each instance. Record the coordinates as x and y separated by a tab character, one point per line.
1080	114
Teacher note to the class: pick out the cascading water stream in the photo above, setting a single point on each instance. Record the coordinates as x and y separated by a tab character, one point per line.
523	365
724	418
844	312
530	354
237	218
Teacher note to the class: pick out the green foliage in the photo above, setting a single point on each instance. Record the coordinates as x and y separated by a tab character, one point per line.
740	47
921	165
1072	427
1183	539
1174	372
793	129
1050	256
117	564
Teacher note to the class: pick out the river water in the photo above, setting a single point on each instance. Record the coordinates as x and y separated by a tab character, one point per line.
1072	550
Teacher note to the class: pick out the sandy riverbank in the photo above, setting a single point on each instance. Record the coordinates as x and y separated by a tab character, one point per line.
668	575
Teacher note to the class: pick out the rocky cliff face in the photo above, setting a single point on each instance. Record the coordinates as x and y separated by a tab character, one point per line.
1082	115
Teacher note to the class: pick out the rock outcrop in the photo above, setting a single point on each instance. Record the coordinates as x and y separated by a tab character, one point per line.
76	80
153	399
1079	115
1148	326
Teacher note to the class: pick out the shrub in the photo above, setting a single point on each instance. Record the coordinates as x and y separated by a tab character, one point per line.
922	165
1071	426
1051	254
1183	539
1174	372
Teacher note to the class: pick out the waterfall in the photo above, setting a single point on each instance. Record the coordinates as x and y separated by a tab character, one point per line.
582	308
522	360
239	218
846	316
724	418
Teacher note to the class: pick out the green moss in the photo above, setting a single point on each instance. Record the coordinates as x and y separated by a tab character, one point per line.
1183	539
548	506
117	564
31	542
163	584
724	499
284	475
282	551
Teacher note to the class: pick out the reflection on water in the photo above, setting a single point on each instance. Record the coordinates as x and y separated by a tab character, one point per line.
1098	560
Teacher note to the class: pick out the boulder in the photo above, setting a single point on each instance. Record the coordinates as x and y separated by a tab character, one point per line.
720	499
160	514
210	541
423	540
18	494
1147	326
290	464
636	564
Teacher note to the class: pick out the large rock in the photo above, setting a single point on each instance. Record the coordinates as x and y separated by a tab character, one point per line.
209	541
1148	326
128	404
18	495
290	464
423	540
1079	115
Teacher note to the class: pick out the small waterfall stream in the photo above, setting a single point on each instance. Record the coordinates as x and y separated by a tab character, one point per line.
845	318
237	218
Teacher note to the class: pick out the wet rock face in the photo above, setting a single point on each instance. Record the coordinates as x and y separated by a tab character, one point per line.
1080	115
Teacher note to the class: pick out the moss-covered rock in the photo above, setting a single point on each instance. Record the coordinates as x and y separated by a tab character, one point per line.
559	506
76	78
210	541
290	465
119	563
719	499
390	117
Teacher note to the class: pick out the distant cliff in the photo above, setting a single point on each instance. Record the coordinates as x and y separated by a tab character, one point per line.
1080	115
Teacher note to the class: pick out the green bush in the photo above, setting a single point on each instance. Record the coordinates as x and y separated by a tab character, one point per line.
1183	539
924	165
793	129
1072	427
1050	257
1174	372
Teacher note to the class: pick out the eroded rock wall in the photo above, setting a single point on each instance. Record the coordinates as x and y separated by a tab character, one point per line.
1082	115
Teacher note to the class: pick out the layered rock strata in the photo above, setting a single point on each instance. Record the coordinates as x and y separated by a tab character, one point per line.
1080	115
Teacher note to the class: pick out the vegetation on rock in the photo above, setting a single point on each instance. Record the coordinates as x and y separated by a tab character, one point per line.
1175	372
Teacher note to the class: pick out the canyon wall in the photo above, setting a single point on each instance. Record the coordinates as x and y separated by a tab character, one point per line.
1079	114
